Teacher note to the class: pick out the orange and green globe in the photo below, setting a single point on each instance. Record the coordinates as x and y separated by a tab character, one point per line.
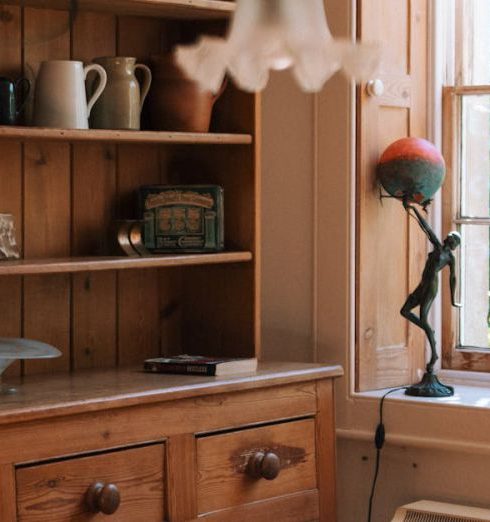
412	168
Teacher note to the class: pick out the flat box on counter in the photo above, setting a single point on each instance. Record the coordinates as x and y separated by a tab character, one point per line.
182	218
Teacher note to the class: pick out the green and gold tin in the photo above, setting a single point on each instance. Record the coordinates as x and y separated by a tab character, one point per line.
182	218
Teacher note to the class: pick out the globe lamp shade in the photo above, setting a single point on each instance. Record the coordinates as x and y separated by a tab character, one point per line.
412	169
274	35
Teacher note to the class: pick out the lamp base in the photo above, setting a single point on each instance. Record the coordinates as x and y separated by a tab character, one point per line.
430	386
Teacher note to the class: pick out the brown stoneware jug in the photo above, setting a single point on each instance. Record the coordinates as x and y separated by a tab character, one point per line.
177	103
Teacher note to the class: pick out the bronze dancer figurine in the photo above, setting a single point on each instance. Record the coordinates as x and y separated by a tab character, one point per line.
423	296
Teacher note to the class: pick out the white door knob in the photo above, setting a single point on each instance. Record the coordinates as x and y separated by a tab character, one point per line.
375	88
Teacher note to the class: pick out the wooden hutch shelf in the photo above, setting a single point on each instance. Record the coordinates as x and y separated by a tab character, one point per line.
97	264
88	432
176	9
24	134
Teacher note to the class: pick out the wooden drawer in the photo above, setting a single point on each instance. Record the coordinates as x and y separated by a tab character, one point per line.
224	462
58	491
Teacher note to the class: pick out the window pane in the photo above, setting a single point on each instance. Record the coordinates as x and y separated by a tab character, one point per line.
472	52
475	155
474	282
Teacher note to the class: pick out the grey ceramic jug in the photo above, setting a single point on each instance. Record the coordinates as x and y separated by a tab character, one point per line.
120	105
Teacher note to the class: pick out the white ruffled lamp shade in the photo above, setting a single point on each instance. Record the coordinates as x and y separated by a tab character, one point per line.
276	34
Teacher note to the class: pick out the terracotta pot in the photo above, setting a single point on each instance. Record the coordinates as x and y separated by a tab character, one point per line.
175	102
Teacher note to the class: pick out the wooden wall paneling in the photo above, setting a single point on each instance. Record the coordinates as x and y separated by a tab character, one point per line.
182	471
170	280
138	291
171	306
221	303
10	38
11	202
93	294
47	234
46	37
391	250
218	312
94	327
8	497
235	111
47	203
11	178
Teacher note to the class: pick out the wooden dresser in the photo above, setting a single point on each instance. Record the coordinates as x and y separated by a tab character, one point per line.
253	447
88	434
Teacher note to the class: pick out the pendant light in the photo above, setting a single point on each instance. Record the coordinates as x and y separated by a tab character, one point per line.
274	35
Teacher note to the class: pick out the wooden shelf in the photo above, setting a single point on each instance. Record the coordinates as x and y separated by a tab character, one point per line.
176	9
94	390
97	264
119	136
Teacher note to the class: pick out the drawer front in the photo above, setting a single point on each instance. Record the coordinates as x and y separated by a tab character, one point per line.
232	467
58	491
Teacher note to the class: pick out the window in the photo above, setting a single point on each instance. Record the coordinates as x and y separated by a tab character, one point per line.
466	198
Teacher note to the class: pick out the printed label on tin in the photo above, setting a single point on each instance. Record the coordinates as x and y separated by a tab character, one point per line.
183	218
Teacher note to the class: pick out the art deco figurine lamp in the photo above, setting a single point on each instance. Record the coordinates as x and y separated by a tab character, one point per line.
413	170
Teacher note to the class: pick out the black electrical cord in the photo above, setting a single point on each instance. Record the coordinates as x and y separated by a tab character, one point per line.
379	440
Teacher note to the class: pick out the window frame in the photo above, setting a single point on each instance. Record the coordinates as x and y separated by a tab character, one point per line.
454	355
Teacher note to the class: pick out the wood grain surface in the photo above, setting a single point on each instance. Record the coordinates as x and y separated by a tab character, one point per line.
325	447
186	9
8	494
89	390
27	134
182	467
96	431
298	507
56	491
66	188
94	264
222	461
47	195
11	178
390	246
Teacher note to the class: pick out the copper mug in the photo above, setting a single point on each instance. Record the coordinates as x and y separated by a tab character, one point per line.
176	102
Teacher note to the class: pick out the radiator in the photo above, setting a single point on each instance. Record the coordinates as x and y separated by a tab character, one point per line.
425	511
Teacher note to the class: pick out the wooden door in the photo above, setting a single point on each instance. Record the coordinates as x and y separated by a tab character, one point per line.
390	247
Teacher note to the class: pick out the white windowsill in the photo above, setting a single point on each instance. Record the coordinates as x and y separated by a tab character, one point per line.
468	395
460	423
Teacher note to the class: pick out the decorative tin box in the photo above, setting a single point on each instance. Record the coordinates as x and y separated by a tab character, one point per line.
182	218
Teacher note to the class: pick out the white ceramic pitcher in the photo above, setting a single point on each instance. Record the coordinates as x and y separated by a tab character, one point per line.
60	98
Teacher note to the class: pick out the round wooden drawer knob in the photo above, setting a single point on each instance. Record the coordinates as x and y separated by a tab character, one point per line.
264	465
103	498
